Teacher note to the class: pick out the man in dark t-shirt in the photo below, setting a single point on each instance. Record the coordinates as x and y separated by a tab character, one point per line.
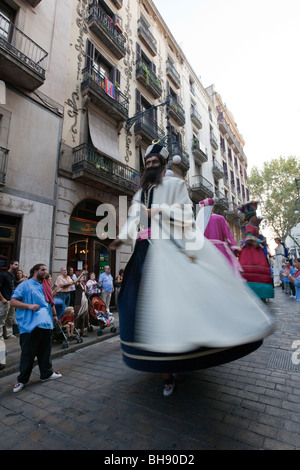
7	284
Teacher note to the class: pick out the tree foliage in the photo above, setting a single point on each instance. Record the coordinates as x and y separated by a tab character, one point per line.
274	186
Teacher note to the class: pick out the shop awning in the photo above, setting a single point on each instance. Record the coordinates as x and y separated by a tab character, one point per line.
104	135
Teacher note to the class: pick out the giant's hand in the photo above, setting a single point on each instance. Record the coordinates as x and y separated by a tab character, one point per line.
115	244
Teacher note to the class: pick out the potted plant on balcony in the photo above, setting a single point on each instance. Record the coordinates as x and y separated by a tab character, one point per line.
195	142
147	73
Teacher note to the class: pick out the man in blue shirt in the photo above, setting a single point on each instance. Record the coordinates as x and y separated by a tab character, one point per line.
107	284
35	313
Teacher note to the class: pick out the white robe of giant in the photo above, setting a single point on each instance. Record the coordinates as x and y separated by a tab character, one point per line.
188	296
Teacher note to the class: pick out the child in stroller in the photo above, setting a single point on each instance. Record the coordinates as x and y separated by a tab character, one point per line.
99	315
64	329
67	322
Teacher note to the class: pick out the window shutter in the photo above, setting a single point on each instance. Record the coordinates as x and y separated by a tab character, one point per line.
112	74
154	116
90	52
138	101
138	53
168	89
118	76
179	139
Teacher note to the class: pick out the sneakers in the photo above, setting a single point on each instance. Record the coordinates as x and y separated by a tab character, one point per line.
168	389
18	387
55	375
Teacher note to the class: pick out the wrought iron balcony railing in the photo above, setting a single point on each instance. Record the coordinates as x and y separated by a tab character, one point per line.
214	141
104	169
147	37
198	152
3	165
196	118
176	111
148	128
234	212
103	25
185	159
173	74
222	202
21	47
148	78
202	185
217	169
108	91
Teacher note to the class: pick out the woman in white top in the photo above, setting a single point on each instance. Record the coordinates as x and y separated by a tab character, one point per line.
74	278
278	260
92	285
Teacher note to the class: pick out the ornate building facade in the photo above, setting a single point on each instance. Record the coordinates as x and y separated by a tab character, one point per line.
34	38
113	75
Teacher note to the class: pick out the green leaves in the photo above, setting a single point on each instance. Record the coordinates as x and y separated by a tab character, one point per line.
274	186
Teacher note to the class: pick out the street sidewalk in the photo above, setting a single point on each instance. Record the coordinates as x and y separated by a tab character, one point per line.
101	404
14	351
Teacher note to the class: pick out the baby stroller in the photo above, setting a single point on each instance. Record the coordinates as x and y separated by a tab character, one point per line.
59	335
99	317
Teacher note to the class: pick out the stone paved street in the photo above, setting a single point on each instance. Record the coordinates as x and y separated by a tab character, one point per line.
101	404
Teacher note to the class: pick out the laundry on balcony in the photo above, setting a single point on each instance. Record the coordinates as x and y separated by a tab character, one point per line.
110	88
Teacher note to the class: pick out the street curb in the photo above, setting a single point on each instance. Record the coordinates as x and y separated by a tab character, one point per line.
60	352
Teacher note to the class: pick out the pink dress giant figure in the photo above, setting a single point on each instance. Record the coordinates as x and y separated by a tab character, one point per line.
216	230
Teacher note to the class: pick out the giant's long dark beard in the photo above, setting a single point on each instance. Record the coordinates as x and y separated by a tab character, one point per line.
153	175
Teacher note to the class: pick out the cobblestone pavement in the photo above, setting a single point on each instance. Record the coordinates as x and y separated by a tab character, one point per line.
101	404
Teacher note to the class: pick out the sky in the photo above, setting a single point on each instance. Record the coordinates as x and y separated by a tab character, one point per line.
250	51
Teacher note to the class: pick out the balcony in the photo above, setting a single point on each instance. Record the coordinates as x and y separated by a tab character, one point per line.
222	206
196	118
148	129
104	94
33	3
177	112
3	165
103	27
226	180
94	169
148	79
200	155
233	213
173	74
201	188
217	170
213	141
118	3
184	165
21	59
147	37
223	152
225	128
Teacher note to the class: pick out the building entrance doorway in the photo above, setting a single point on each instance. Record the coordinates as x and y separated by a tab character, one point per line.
85	251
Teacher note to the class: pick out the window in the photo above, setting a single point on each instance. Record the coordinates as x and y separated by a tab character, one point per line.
177	136
96	61
7	15
192	86
142	105
142	57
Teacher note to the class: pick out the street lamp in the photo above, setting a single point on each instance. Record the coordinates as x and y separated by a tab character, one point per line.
168	140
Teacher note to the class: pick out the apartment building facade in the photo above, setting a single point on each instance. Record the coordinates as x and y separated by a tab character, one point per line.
34	38
234	162
115	81
123	64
